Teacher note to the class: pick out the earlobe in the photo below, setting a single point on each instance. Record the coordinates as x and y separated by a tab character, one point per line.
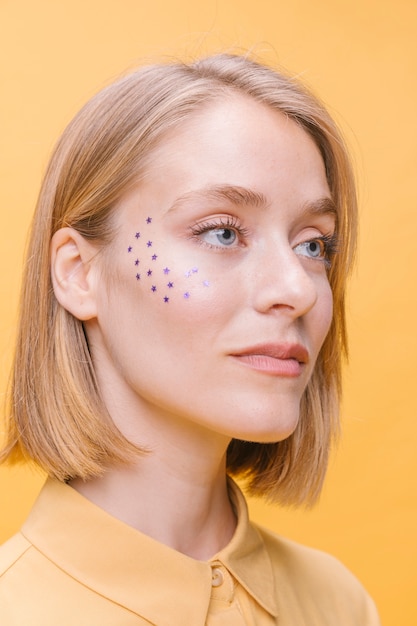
73	273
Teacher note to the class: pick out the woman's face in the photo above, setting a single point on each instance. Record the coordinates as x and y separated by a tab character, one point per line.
218	300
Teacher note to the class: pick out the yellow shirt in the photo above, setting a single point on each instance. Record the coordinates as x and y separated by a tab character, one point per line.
74	564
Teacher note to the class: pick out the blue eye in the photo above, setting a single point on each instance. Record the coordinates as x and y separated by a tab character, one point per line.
220	232
314	249
321	248
222	236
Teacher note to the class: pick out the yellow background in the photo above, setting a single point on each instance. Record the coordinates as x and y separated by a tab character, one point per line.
360	56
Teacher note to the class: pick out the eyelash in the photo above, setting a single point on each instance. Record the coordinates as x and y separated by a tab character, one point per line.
328	243
230	222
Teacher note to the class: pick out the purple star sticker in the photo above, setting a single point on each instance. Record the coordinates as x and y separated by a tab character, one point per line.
148	220
137	235
170	284
166	299
129	249
206	283
166	270
154	257
137	262
187	295
194	270
149	244
149	272
137	276
153	288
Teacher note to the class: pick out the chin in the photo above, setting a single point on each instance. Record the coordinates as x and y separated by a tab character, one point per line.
274	432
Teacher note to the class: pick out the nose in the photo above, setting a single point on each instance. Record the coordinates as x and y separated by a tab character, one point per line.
283	281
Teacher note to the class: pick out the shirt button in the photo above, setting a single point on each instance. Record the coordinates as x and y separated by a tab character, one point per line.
217	577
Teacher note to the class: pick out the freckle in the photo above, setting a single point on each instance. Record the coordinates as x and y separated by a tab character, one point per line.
149	272
187	295
170	285
149	244
166	299
154	257
148	220
129	249
153	288
137	262
137	235
137	276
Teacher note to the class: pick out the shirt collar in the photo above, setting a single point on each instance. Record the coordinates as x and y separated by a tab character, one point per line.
131	568
246	556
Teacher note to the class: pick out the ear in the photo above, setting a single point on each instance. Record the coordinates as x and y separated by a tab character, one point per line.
74	273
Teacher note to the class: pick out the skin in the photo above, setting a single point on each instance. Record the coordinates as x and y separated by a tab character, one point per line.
169	370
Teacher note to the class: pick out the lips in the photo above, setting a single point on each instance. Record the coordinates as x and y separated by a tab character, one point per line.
286	359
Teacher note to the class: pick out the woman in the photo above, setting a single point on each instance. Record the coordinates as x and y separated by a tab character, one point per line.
182	321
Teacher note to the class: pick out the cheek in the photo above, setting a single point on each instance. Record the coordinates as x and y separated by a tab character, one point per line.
167	280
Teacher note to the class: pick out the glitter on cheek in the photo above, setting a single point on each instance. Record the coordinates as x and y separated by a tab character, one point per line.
195	285
193	270
160	271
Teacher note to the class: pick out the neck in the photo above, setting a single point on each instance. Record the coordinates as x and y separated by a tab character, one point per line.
177	496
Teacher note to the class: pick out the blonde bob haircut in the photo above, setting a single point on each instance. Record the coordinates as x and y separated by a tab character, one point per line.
56	416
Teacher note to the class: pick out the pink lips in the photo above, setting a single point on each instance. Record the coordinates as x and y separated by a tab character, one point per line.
285	360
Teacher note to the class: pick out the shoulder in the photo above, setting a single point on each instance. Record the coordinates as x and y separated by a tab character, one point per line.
319	581
14	580
35	591
299	559
11	552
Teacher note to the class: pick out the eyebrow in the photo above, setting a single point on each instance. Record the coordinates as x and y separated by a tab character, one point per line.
242	196
239	196
322	206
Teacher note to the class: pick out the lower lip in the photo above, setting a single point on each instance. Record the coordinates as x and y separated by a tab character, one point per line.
290	368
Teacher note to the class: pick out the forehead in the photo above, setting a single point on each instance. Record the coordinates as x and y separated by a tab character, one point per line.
238	141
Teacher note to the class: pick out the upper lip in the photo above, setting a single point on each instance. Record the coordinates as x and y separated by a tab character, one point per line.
277	351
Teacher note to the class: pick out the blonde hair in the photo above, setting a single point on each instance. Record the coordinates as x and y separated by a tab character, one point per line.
57	417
